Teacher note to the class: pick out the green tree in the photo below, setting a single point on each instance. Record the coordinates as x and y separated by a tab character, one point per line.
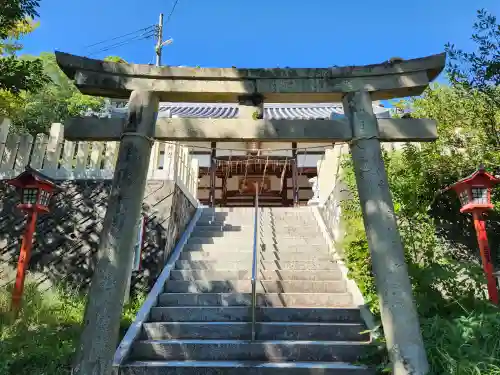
54	102
17	74
57	100
15	11
480	71
10	44
116	59
440	245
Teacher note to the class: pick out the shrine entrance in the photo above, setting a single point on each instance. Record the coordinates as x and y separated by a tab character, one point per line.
283	183
355	86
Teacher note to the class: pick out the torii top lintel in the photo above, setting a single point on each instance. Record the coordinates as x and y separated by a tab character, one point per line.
290	85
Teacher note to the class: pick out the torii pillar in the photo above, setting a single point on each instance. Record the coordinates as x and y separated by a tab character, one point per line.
103	311
397	306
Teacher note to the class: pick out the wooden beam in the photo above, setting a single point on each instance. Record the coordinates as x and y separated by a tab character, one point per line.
203	129
224	189
384	81
213	170
295	176
284	192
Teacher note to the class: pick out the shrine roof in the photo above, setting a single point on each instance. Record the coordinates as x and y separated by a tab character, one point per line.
287	111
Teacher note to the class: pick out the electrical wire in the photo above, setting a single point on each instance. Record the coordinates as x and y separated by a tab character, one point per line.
148	35
144	29
172	11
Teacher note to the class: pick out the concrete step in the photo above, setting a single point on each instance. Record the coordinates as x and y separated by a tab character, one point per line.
307	220
230	230
268	240
250	221
289	247
245	256
250	217
234	350
244	240
188	275
224	227
263	265
243	314
264	331
268	235
241	368
246	211
280	300
244	286
222	234
250	214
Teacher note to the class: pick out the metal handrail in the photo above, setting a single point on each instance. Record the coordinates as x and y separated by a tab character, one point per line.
254	260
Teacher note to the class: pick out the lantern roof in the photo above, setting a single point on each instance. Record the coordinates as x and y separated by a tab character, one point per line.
480	176
31	176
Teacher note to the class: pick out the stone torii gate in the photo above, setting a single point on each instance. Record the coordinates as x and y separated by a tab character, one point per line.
355	86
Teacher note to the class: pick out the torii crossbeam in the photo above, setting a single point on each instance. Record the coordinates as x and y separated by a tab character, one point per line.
250	88
355	86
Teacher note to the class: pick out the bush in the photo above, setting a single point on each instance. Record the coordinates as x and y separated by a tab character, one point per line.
43	339
465	344
461	329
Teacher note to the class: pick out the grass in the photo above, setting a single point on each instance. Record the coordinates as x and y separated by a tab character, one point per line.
43	339
467	344
461	334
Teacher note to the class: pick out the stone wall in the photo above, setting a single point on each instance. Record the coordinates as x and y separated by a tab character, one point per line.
66	239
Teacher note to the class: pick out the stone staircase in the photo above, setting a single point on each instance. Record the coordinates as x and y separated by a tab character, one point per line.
306	323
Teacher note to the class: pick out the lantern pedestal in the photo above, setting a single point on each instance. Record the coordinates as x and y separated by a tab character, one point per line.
484	248
22	264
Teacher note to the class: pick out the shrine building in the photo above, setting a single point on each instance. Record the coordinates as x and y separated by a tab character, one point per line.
283	169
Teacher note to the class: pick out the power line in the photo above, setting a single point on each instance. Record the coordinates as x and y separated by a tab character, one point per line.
172	11
144	29
125	42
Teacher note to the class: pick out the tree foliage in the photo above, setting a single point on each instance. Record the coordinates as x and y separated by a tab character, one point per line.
17	74
479	71
15	11
459	326
440	245
56	101
10	45
116	59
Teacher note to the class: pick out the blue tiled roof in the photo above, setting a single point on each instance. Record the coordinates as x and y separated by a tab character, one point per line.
271	111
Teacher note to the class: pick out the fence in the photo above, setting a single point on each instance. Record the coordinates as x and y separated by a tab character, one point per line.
67	160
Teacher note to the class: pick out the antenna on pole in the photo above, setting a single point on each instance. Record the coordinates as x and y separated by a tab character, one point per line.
159	43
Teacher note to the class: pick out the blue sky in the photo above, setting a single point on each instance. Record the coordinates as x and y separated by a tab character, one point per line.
258	33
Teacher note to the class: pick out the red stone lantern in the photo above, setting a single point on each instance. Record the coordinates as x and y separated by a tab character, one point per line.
474	193
35	190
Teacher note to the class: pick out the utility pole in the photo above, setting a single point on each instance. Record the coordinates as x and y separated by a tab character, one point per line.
159	43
